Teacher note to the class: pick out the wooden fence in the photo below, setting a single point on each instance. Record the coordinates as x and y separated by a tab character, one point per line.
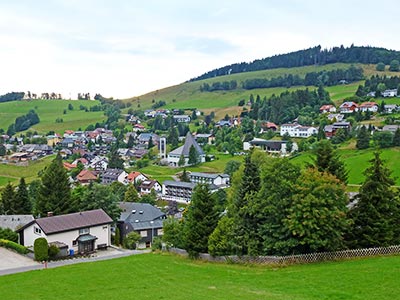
297	259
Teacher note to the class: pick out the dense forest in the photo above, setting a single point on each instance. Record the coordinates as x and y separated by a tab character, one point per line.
325	78
307	57
378	84
12	96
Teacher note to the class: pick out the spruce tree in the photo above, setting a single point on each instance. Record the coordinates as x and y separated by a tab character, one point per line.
376	213
54	193
173	137
193	156
115	162
363	138
328	160
200	221
7	199
396	138
22	201
184	177
131	194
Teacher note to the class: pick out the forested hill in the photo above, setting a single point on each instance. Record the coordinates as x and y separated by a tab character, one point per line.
307	57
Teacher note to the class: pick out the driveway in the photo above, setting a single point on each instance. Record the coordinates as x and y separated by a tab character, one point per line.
12	260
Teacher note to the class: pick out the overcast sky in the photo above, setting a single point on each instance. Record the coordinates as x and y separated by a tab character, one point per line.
125	48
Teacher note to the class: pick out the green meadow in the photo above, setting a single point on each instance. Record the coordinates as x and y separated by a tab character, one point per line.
164	276
49	111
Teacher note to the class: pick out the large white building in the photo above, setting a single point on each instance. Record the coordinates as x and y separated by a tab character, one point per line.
296	130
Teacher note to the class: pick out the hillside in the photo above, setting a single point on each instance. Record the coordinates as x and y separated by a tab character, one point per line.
156	276
188	94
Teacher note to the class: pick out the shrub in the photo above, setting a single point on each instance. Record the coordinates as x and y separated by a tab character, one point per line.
14	246
53	251
131	240
8	234
156	244
40	248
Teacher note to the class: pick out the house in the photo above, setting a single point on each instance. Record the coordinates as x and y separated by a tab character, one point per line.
391	128
99	163
143	218
83	232
390	108
220	180
181	118
69	166
14	222
348	107
111	175
296	130
147	185
68	142
144	138
53	140
270	146
139	153
389	93
138	127
371	94
86	177
223	123
328	108
368	106
335	117
136	177
330	130
177	191
204	138
175	155
269	126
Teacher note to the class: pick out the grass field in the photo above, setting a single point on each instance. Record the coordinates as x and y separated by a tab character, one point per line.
4	180
357	161
157	276
49	111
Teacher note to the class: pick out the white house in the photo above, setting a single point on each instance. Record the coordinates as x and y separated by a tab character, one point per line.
368	106
296	130
389	93
270	146
181	118
82	232
148	185
327	108
220	180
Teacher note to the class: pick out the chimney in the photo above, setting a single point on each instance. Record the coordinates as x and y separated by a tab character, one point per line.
50	214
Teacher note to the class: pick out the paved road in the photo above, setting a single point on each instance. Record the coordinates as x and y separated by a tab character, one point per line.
26	264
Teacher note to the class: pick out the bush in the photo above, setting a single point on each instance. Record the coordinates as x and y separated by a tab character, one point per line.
14	246
40	248
156	244
132	238
53	251
8	234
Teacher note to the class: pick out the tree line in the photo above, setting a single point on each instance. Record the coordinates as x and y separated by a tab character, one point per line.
13	96
378	84
276	208
23	122
312	56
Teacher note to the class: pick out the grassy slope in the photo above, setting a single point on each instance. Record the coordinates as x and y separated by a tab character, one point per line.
155	276
49	111
357	161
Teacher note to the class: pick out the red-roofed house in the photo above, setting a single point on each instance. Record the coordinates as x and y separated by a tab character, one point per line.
328	108
368	106
269	126
69	166
84	232
135	177
348	107
87	176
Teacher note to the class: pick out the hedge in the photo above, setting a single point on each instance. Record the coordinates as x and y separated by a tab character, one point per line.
41	249
14	246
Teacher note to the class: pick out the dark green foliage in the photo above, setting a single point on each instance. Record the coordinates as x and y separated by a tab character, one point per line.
184	176
376	214
14	246
383	139
219	86
24	122
232	166
173	138
131	194
54	193
156	244
193	156
363	138
131	240
117	237
131	142
8	200
150	144
317	216
115	162
173	233
8	234
328	160
22	202
396	138
3	150
40	248
149	198
200	221
53	251
394	66
13	96
380	67
221	240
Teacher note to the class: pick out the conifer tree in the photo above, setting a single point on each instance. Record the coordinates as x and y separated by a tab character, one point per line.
184	177
200	221
376	214
22	201
54	193
396	138
173	137
363	138
181	161
193	156
131	194
7	199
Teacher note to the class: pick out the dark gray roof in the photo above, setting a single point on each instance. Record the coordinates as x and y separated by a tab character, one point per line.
208	175
183	184
147	224
132	211
189	142
72	221
14	222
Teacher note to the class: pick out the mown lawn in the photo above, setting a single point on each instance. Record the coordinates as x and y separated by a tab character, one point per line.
157	276
49	111
4	180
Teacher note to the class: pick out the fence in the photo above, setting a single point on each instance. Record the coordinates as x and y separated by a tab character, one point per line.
297	259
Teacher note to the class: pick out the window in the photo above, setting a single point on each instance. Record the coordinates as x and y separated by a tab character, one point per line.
84	231
37	230
143	233
160	232
74	243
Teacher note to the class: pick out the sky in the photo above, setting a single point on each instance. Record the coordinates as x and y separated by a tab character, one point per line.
125	48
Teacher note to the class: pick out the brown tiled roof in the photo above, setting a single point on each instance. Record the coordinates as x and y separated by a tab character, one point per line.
87	175
68	222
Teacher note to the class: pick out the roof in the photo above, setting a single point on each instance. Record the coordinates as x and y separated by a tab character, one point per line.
61	223
14	222
208	175
133	175
147	224
182	184
148	184
131	211
185	149
86	175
